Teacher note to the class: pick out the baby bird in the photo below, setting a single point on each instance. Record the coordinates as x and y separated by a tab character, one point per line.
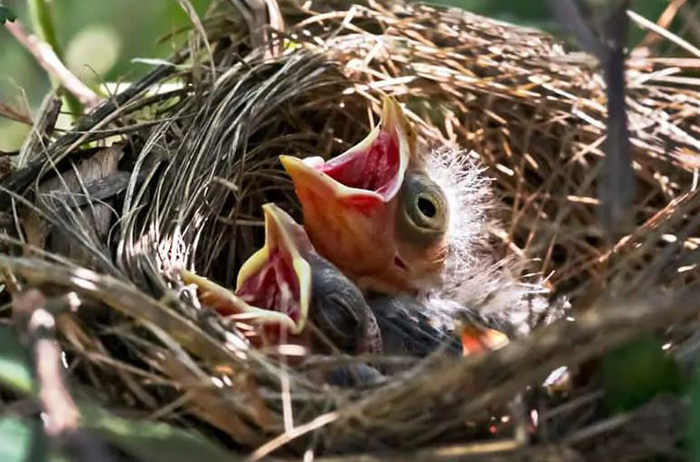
284	286
396	222
374	211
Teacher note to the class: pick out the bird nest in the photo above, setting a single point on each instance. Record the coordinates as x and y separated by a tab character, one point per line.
172	171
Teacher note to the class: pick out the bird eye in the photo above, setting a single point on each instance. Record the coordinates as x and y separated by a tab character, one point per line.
426	206
423	209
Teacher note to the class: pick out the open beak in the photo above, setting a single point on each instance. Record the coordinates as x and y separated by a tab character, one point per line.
480	339
349	201
274	284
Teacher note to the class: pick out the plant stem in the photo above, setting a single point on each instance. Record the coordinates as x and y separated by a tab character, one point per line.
47	58
43	25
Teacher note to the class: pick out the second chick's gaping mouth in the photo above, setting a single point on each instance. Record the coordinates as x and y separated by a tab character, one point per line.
273	289
278	277
285	287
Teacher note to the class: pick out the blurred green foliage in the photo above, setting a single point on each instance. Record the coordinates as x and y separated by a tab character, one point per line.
6	14
21	440
99	37
636	372
15	371
693	428
22	437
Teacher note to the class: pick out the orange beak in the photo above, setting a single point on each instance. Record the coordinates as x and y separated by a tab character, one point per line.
273	291
477	338
481	340
349	202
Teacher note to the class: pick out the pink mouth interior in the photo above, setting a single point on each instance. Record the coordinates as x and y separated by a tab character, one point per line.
274	287
374	169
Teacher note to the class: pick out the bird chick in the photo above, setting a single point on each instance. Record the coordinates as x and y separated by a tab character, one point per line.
397	222
374	211
286	285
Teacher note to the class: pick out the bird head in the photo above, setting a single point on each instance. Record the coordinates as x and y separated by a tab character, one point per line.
285	286
273	289
373	211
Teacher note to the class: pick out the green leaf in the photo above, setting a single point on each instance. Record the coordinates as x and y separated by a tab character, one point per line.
6	14
152	441
636	372
693	429
21	440
15	369
15	440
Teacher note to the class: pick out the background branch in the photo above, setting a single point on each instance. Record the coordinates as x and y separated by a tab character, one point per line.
45	55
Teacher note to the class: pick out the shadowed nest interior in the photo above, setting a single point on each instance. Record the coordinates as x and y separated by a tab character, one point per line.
172	171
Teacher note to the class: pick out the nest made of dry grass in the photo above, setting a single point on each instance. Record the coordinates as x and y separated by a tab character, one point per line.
194	156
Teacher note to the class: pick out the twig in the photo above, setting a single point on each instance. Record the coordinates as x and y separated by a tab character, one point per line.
663	416
616	185
48	59
211	406
492	451
36	320
260	15
646	24
72	140
8	112
38	325
457	391
43	25
127	298
570	14
42	130
664	21
199	27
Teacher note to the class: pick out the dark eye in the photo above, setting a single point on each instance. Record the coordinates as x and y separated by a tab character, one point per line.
427	207
423	213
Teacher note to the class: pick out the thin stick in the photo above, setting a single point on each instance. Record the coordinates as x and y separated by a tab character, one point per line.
39	325
48	59
646	24
467	388
492	451
664	21
34	316
17	116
